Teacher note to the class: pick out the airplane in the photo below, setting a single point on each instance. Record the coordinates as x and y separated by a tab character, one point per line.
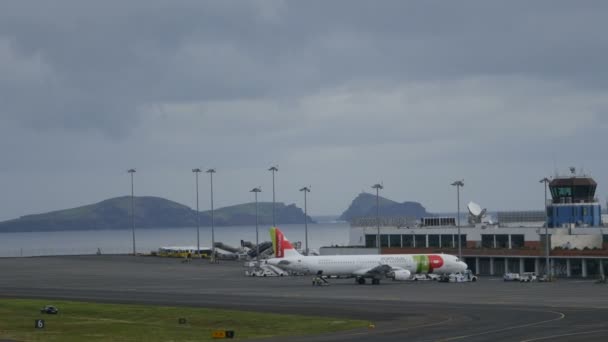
362	267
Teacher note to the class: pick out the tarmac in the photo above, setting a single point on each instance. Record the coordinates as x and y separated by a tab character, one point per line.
489	309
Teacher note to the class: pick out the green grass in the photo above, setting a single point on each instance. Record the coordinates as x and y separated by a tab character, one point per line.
81	321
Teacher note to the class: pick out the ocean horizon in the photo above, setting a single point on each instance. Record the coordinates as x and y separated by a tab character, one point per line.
119	241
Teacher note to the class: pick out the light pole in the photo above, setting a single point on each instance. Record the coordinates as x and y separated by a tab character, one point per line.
257	242
132	171
458	184
305	190
548	270
198	219
211	172
273	169
378	187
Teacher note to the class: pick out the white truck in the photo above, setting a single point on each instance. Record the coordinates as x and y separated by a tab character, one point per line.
527	277
466	276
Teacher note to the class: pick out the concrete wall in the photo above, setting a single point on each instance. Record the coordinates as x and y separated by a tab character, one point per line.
562	239
357	236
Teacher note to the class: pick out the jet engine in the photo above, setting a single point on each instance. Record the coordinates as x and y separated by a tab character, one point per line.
401	275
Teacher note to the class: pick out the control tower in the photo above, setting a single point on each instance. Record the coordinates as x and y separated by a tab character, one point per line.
573	202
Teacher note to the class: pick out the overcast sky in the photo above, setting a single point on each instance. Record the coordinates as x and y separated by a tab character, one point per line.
339	94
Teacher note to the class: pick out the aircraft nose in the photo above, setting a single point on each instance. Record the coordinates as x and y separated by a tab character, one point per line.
463	265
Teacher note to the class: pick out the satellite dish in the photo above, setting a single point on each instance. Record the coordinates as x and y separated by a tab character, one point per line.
475	209
476	214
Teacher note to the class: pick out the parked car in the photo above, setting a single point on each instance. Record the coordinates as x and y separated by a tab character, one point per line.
49	309
527	277
511	277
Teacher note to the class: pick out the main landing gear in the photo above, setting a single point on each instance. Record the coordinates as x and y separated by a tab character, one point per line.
361	281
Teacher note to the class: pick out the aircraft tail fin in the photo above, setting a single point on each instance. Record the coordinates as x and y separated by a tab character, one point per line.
281	246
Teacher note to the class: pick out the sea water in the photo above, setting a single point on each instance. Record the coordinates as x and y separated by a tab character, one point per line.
150	239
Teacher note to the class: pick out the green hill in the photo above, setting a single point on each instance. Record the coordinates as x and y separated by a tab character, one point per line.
150	212
364	205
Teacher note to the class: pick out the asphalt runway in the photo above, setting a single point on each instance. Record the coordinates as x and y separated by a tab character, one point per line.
567	310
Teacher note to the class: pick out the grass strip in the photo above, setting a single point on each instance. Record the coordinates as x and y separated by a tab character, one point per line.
83	321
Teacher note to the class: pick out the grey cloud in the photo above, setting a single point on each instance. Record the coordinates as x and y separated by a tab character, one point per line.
110	57
327	89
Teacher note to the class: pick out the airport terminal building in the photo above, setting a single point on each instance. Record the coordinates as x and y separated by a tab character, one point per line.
578	240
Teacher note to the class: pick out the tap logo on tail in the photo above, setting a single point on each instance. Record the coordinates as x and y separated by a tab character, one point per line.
280	244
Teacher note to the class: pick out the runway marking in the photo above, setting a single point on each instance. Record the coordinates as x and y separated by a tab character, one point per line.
564	335
561	316
384	331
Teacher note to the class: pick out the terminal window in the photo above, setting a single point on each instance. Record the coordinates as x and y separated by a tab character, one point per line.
447	240
370	240
487	241
408	240
517	241
395	240
463	240
420	241
433	240
384	240
502	240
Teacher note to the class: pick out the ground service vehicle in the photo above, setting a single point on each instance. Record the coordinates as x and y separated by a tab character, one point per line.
469	276
527	277
419	276
460	277
511	277
433	276
49	309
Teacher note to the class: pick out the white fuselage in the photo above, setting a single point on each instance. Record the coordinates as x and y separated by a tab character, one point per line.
359	265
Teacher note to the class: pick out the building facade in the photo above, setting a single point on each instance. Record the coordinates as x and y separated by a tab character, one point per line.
577	241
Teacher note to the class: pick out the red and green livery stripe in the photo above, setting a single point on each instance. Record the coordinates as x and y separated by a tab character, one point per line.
427	263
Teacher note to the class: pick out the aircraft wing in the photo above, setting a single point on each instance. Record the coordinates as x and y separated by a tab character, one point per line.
379	271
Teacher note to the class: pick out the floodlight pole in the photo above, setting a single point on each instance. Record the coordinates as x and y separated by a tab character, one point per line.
458	184
211	172
273	169
198	220
132	171
378	187
257	242
305	190
548	269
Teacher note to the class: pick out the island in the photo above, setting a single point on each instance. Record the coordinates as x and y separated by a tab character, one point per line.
364	206
151	212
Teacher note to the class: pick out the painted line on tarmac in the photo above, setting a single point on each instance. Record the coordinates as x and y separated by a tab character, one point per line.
565	335
561	316
449	319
